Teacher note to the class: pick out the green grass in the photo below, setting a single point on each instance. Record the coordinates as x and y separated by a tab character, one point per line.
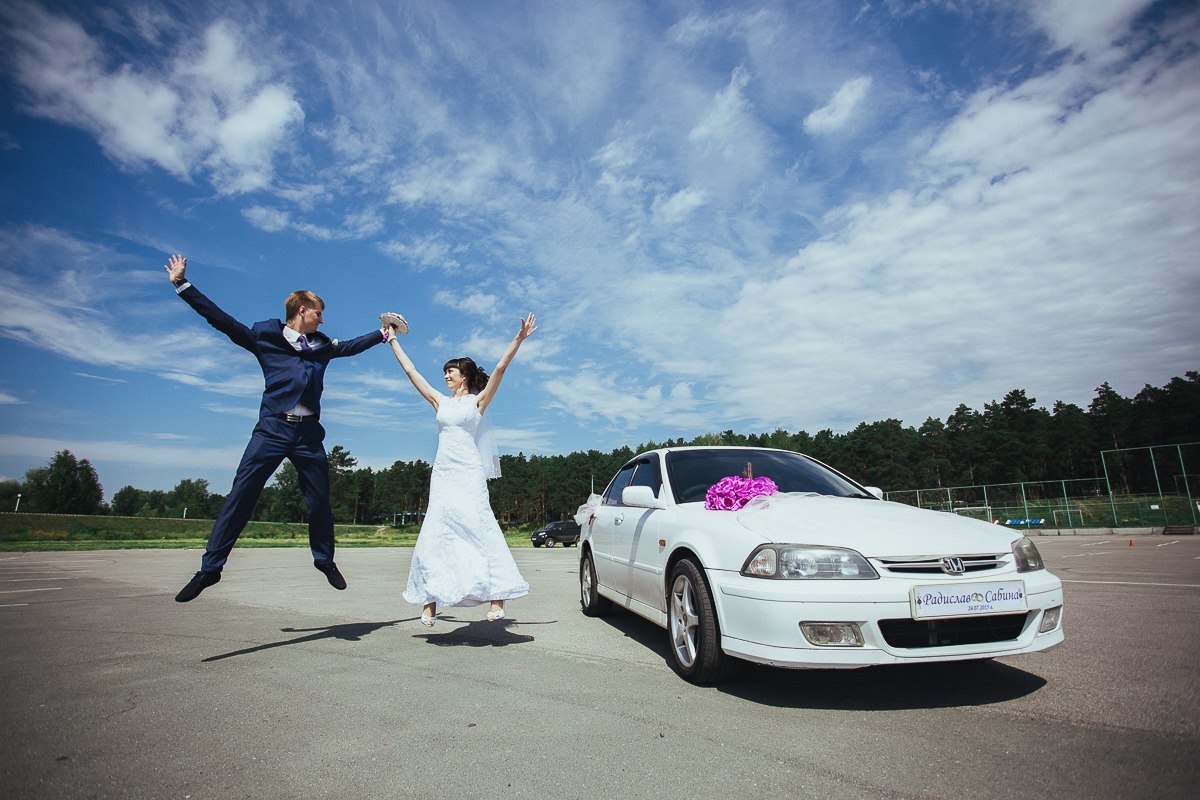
41	532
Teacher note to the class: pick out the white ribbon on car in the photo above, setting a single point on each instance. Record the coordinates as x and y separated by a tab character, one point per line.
584	514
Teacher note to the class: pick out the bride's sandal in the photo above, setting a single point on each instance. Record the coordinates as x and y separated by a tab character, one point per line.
427	620
498	614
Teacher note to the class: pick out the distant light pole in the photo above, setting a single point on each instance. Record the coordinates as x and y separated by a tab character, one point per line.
18	508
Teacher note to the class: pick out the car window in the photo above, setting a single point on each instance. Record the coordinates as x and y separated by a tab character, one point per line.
612	495
640	473
692	472
646	474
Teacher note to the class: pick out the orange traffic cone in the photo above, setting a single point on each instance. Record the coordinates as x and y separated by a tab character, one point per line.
1131	543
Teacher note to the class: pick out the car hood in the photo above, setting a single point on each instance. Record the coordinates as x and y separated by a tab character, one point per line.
875	528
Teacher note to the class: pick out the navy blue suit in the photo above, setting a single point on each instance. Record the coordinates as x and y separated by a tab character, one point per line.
291	377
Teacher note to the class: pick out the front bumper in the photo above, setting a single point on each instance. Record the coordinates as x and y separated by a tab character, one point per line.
760	621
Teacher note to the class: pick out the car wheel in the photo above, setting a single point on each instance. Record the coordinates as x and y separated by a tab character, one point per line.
590	601
695	640
537	544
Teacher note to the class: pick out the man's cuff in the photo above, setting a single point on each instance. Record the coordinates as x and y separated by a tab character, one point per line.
182	286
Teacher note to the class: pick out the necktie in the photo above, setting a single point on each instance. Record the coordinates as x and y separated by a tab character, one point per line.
304	343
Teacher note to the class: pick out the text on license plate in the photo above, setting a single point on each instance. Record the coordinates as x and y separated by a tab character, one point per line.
965	599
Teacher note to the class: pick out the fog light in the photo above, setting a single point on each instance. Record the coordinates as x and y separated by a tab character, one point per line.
832	634
1050	618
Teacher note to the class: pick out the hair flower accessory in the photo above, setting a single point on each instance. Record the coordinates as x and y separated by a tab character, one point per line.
733	492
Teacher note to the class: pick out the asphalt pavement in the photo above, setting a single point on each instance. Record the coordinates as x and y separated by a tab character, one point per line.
273	685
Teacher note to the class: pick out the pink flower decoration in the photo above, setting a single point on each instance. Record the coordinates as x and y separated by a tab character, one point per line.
732	492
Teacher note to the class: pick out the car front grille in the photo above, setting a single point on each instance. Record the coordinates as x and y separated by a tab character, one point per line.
933	566
915	634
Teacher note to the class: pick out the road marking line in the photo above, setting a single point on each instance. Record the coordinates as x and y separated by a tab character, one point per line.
1164	544
25	580
1135	583
95	560
12	605
18	591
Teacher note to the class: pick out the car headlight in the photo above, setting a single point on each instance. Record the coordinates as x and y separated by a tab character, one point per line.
803	562
1026	555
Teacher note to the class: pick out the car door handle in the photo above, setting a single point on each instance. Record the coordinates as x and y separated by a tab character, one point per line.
618	519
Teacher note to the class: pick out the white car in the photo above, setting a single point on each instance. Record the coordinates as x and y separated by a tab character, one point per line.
822	573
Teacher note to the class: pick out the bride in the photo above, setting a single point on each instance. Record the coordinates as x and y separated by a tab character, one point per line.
461	557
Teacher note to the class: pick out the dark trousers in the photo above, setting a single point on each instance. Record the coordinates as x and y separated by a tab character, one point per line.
273	440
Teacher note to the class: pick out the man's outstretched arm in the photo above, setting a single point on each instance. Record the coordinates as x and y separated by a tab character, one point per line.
238	333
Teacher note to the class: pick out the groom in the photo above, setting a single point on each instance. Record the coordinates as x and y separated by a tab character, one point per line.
293	357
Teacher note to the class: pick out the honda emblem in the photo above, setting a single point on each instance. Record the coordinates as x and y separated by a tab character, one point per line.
953	565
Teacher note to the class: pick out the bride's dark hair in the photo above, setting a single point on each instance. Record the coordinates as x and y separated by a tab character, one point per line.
476	377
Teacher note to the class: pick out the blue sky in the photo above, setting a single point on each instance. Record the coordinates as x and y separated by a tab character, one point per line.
747	216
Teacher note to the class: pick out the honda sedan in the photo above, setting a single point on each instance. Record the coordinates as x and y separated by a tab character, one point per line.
770	556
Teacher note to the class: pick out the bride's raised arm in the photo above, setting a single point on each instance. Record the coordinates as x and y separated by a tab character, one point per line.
422	385
528	326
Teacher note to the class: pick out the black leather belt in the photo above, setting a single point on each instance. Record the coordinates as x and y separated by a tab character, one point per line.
293	417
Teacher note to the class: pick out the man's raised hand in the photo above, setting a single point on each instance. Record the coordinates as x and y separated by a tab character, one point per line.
176	268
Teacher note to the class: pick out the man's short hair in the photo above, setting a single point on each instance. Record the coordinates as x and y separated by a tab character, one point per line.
291	306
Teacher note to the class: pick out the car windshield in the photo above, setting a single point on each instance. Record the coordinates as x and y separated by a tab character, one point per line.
692	472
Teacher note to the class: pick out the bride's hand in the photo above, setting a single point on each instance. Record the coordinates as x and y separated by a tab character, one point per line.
528	326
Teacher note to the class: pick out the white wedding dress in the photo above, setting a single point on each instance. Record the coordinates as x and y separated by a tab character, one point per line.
461	557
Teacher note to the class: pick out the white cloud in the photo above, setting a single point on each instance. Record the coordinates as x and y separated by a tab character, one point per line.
727	116
476	303
210	108
1085	26
423	251
673	209
101	451
640	184
836	114
271	220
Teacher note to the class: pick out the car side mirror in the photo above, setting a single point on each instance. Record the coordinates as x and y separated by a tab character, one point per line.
875	490
640	497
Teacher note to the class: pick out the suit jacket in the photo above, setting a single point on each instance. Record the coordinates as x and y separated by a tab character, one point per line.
290	375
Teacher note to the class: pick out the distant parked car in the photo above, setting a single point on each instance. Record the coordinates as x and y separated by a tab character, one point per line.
564	532
816	571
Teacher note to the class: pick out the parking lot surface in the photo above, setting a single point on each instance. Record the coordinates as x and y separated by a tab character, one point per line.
273	685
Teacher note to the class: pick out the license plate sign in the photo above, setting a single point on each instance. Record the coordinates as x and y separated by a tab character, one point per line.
968	599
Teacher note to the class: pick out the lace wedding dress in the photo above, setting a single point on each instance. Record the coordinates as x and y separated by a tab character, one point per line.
461	557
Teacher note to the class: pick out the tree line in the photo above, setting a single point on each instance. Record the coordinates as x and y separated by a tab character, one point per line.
1012	440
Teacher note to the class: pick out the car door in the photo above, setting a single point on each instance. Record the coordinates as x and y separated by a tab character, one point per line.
639	533
612	568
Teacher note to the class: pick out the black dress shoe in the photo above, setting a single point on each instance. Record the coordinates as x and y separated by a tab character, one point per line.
199	582
331	572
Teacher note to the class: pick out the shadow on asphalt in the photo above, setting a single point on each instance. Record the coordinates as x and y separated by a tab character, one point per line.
349	632
886	688
478	633
946	684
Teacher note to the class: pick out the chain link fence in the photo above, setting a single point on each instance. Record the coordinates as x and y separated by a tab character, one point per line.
1144	487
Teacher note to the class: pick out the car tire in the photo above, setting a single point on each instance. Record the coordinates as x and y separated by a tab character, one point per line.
693	637
537	544
590	601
